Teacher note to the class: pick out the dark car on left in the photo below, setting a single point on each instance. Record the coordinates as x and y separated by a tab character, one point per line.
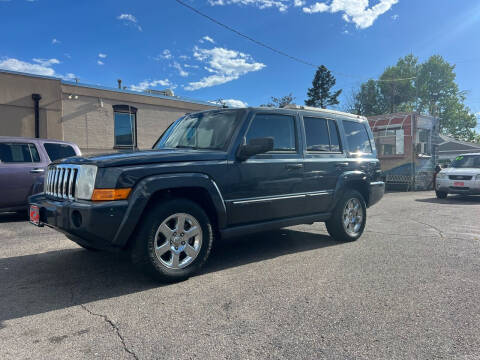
23	163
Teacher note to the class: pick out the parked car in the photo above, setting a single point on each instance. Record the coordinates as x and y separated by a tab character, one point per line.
462	177
215	175
23	162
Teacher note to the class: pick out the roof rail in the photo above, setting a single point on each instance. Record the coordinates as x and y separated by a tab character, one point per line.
311	108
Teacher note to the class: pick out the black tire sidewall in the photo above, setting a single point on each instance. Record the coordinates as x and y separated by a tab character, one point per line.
144	253
335	224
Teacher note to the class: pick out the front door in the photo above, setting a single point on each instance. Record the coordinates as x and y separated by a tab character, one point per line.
20	165
268	186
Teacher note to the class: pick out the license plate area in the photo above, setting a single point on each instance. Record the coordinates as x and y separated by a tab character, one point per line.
34	215
458	184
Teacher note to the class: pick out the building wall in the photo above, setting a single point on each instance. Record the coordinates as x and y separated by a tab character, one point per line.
17	107
88	118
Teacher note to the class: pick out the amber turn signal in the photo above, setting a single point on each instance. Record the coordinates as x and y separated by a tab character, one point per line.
110	194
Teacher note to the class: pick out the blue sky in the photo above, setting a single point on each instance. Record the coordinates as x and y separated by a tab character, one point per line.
160	44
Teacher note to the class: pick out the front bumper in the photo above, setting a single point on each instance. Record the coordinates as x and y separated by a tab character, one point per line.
94	224
376	192
470	187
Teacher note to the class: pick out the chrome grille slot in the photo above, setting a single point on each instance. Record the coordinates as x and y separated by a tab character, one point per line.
61	181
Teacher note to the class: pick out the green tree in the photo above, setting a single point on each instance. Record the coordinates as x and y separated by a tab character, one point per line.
280	102
368	101
320	94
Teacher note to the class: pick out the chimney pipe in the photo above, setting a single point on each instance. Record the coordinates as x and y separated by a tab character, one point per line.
36	99
119	83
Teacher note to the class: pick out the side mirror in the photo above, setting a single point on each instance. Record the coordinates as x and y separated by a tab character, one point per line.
254	147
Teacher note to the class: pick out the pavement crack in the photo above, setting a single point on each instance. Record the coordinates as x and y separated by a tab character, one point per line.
114	327
440	232
109	322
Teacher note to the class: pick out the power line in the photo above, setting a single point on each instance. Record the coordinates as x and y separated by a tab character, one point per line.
279	52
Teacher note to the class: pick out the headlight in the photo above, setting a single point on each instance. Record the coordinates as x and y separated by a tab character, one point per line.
441	175
85	182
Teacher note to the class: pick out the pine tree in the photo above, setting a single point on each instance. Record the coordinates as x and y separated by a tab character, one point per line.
320	95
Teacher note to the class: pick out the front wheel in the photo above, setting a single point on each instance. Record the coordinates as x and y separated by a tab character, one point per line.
174	240
348	218
441	194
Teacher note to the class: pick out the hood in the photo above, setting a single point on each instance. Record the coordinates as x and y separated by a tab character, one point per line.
461	171
146	157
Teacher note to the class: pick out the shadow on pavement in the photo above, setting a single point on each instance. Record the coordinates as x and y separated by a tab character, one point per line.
34	284
13	216
453	199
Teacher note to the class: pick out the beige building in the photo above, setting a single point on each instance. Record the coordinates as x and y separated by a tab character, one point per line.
97	119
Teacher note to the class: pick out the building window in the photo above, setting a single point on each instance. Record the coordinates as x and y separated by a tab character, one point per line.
125	126
424	145
390	141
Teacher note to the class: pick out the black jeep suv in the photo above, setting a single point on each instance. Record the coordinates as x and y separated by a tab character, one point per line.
213	175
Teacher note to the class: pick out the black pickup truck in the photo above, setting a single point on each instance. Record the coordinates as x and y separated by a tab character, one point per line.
213	175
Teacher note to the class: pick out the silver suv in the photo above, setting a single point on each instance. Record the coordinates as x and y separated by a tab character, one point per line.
462	177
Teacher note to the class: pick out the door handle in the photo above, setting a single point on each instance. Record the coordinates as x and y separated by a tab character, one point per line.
294	166
37	170
342	165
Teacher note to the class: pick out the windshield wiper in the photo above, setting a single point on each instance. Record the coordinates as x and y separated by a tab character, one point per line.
185	147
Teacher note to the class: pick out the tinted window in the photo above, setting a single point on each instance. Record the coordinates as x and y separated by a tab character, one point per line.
316	131
357	137
59	151
280	127
124	129
334	138
210	130
18	153
468	161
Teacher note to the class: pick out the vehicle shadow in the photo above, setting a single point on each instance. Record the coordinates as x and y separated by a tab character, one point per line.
453	199
13	216
34	284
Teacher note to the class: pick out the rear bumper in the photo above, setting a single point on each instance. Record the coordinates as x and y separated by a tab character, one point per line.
89	223
376	192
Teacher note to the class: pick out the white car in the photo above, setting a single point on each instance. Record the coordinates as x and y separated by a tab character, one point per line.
462	177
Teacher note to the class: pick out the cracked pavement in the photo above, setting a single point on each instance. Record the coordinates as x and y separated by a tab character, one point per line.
409	288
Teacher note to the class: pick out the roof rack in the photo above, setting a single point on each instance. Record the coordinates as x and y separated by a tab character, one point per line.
311	108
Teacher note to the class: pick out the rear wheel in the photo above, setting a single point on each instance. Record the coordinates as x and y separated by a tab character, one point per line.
349	217
441	194
174	240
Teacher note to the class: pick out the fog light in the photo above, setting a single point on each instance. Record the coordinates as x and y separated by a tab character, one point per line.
77	218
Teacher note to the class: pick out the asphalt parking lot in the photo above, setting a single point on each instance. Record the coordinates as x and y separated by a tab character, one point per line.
409	288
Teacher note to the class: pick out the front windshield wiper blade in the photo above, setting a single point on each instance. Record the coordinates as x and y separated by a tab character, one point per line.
185	147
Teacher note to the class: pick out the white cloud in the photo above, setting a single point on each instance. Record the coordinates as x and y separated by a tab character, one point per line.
38	67
166	54
281	5
100	62
225	65
180	70
395	17
207	38
147	84
184	57
188	66
55	41
102	56
356	11
129	19
230	103
298	3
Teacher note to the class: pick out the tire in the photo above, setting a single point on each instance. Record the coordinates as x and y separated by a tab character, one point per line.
161	248
441	194
335	225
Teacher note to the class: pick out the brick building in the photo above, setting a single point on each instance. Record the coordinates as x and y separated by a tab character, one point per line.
98	119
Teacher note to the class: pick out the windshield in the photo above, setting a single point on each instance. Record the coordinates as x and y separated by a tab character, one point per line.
209	130
470	161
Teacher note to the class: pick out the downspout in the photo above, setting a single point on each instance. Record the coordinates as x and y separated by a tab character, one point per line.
36	99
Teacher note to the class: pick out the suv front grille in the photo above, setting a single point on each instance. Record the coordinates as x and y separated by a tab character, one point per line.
460	177
61	181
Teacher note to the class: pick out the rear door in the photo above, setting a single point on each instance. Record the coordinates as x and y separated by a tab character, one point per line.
20	166
268	186
324	161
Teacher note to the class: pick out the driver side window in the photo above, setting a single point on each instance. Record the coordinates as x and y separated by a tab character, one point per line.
279	127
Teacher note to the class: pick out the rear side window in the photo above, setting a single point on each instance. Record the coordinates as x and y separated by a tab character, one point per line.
321	134
58	151
18	153
280	127
357	137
